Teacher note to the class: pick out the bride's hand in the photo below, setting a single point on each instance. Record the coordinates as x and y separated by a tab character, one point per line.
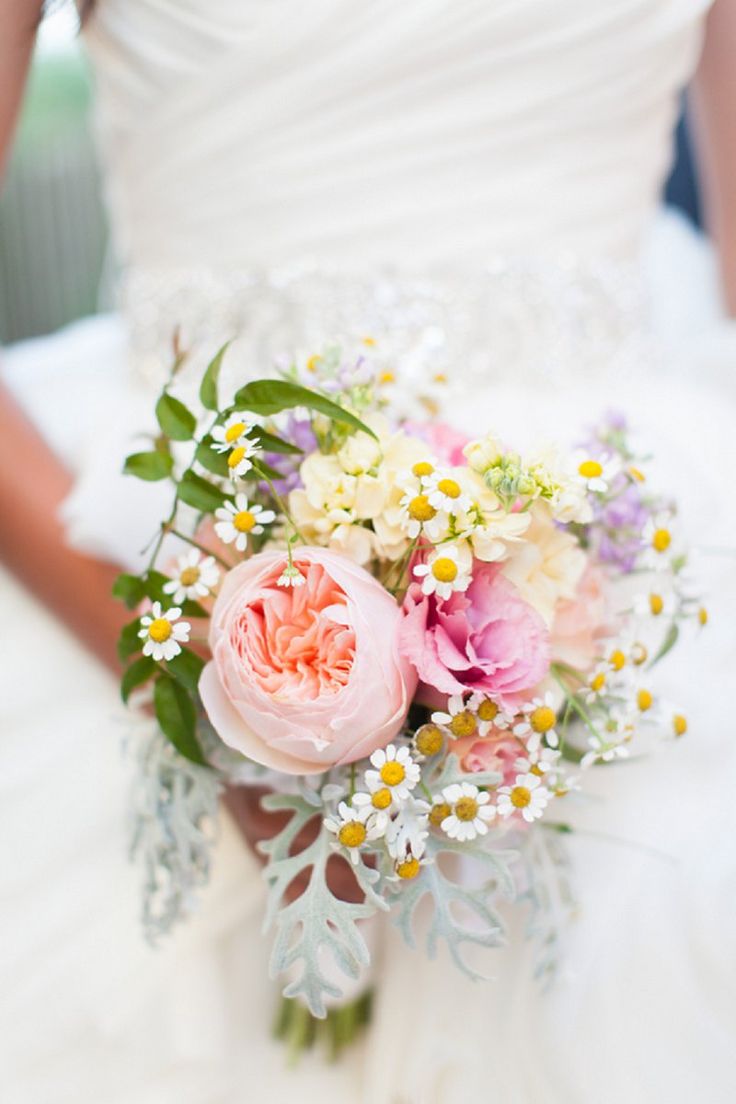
255	824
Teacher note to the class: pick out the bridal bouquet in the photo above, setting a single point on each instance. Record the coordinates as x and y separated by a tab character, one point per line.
417	641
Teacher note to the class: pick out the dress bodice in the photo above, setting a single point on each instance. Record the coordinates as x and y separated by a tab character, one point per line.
246	137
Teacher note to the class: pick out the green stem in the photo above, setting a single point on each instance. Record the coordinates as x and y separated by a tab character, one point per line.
279	502
201	547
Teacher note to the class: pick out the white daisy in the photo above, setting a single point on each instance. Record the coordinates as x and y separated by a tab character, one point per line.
196	577
380	804
240	460
353	827
527	796
539	720
447	569
470	811
660	601
490	714
538	762
238	520
659	537
291	577
460	719
232	433
595	473
394	769
163	632
598	683
407	832
445	493
418	515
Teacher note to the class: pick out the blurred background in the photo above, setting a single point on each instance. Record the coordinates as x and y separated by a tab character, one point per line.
54	261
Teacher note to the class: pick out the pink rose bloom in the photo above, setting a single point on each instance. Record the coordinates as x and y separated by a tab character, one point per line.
487	640
495	752
304	678
581	623
445	443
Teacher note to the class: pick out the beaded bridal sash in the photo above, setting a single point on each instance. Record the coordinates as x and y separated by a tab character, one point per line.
549	323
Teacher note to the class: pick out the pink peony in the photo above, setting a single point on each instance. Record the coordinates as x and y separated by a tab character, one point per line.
487	639
445	442
582	622
495	752
304	678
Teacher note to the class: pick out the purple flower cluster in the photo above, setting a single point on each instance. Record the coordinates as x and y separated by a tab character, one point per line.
297	431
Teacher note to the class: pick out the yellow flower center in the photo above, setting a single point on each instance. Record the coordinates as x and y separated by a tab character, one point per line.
387	377
381	799
438	813
617	659
444	569
542	719
520	796
392	773
644	700
189	576
488	710
236	456
703	615
244	521
313	362
598	682
409	868
637	474
679	724
421	509
160	630
439	377
537	770
656	604
429	740
234	431
466	808
463	724
352	834
423	467
590	469
661	540
369	341
449	488
639	654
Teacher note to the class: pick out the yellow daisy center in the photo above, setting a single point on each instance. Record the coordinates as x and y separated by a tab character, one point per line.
387	377
703	615
438	813
352	834
617	659
429	740
381	799
392	773
679	724
644	700
244	521
463	724
409	868
313	362
421	509
537	770
520	797
598	682
661	540
189	576
444	569
637	474
639	654
656	604
542	719
237	429
160	630
423	467
488	710
369	341
449	487
466	808
236	456
590	469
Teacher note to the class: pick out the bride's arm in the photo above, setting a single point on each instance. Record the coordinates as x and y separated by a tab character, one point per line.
18	23
714	110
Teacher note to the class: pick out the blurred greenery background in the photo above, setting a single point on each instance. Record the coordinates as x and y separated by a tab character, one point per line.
53	236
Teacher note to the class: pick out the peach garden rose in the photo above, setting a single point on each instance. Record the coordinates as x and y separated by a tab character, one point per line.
304	678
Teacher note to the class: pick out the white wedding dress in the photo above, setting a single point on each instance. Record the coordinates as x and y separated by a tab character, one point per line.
474	184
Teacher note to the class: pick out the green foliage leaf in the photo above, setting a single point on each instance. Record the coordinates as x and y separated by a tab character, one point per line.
200	493
177	716
208	387
673	635
175	420
271	443
215	462
186	669
130	589
154	588
269	396
151	466
140	671
129	642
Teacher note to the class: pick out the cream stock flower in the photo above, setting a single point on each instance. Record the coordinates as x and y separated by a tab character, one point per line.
546	565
